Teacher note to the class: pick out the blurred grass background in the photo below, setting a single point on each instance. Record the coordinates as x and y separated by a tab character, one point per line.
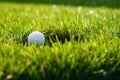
96	57
88	3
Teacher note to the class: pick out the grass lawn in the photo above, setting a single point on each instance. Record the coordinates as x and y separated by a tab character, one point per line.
82	40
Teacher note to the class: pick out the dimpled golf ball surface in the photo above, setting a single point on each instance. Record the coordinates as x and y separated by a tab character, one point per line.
36	37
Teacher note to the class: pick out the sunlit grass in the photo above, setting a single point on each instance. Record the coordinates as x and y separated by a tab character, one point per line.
87	47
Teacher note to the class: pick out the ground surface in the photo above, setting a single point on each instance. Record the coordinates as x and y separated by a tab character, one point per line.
87	45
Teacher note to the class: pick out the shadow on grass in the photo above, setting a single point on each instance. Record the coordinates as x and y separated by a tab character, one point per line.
88	3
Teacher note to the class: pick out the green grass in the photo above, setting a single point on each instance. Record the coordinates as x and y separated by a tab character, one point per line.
87	45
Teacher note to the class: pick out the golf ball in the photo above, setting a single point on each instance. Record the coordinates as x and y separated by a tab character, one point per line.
36	37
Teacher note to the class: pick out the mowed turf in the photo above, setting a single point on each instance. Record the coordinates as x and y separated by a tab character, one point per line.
82	42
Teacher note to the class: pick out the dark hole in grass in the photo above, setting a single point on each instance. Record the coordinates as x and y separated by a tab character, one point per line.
58	35
61	36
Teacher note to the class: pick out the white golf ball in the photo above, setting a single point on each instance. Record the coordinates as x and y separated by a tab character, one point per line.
36	37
